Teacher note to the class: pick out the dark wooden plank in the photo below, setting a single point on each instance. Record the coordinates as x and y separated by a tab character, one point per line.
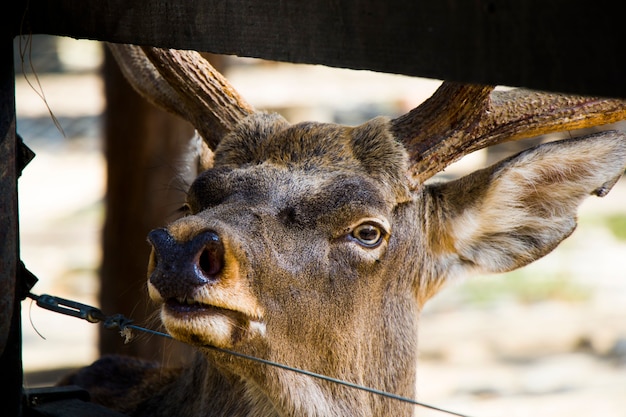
8	190
570	46
10	320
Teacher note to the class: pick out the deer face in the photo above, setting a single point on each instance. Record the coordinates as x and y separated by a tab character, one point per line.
292	244
316	245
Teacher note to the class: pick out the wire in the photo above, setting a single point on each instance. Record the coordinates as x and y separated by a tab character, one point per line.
93	315
309	373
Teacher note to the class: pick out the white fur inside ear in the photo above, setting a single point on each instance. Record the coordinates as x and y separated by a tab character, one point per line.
529	204
198	158
205	156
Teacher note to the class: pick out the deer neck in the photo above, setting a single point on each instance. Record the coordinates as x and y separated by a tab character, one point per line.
206	387
271	391
204	390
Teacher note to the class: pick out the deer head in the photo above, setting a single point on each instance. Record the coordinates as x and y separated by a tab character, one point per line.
316	245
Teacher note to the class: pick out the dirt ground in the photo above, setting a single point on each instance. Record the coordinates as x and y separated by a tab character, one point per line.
549	340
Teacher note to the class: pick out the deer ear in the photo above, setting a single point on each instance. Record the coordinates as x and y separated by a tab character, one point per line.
197	158
506	216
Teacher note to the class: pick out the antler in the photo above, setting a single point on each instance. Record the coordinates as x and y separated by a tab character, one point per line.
459	119
184	83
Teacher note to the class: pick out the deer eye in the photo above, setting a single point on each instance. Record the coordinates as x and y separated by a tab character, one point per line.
368	234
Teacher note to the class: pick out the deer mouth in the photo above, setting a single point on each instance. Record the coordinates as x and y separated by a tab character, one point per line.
206	318
201	324
183	307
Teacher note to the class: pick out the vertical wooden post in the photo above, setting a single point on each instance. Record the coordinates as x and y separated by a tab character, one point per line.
143	148
11	376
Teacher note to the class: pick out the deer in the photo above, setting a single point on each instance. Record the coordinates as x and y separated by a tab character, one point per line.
316	245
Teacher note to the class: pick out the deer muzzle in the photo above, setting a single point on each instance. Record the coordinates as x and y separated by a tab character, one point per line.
204	299
178	269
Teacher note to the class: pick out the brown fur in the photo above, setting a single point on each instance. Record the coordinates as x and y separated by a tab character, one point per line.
297	288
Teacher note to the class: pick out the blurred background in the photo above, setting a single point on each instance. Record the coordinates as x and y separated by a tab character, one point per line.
547	340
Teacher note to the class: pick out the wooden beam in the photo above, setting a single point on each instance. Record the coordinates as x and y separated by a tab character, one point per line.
569	46
10	317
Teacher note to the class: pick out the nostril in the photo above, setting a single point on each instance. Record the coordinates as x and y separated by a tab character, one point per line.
210	261
210	257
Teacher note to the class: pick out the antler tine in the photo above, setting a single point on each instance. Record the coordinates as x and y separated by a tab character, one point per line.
184	83
465	118
145	78
214	105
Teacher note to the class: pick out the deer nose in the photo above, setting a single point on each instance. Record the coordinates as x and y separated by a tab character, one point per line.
180	267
